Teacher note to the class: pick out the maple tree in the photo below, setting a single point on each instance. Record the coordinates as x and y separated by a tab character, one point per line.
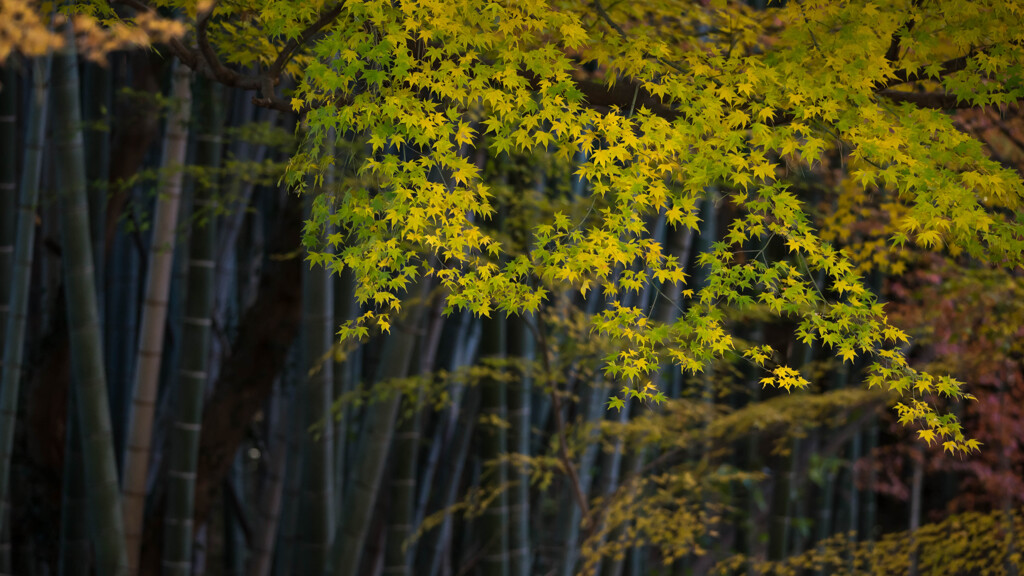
809	145
723	96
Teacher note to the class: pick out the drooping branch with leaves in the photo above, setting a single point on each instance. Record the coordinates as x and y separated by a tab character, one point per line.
701	207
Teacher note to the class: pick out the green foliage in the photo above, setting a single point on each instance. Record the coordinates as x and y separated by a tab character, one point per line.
731	98
809	145
971	543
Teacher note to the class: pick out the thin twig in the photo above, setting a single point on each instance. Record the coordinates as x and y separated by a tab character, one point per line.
556	400
220	72
292	45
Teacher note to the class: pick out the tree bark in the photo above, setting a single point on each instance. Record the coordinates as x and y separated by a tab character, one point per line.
266	332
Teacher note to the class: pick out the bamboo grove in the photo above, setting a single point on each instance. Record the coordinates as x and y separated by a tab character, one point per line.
446	287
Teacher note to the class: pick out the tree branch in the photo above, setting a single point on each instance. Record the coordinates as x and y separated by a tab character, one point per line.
937	100
608	20
221	73
292	45
902	76
187	57
893	53
205	61
556	409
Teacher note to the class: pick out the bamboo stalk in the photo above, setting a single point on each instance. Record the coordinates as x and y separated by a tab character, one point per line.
83	321
397	553
154	315
97	101
442	548
493	446
193	372
74	522
361	499
315	507
8	185
16	313
520	346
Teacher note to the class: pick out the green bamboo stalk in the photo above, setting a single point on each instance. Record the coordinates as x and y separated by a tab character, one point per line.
8	210
462	347
464	545
666	311
520	346
96	105
8	183
826	506
74	519
380	424
315	507
592	410
120	328
443	446
397	554
853	502
154	315
346	375
871	500
441	550
783	491
870	497
83	320
5	543
494	445
402	488
633	464
20	281
192	375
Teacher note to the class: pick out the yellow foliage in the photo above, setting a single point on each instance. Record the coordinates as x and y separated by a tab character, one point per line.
970	543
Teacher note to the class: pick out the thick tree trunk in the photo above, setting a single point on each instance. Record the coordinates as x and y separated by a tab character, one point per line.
284	554
265	334
269	508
